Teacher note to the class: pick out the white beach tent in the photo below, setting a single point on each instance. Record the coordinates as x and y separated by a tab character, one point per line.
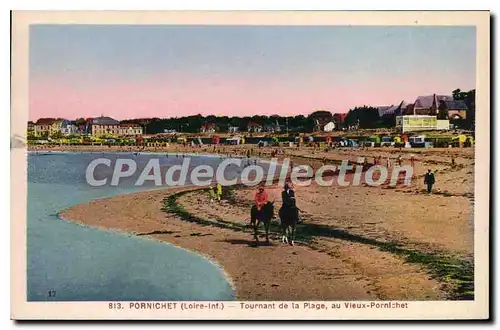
329	127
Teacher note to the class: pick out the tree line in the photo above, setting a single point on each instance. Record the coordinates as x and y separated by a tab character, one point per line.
193	124
364	117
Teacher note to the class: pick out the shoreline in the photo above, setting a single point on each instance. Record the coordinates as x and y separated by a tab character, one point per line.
205	257
436	159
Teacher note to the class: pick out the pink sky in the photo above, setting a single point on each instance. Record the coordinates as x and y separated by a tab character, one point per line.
164	97
165	71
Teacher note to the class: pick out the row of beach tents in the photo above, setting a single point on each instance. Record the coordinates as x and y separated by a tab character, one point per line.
423	140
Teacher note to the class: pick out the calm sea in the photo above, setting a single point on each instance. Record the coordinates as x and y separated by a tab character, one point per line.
70	262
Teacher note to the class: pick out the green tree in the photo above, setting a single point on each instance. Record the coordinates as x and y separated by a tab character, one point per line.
56	135
470	100
300	123
458	94
366	116
80	122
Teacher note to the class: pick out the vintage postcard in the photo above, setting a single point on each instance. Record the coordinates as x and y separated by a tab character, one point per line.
250	165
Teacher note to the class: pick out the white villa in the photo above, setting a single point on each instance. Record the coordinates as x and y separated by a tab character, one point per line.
130	129
105	126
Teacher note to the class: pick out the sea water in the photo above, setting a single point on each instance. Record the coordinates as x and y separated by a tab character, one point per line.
70	262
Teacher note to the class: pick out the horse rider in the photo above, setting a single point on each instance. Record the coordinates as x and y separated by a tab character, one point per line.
288	198
260	199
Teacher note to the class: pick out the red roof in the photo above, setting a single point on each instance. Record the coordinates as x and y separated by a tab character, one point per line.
340	116
129	125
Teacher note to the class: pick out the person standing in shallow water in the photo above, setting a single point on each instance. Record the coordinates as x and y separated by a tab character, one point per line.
429	180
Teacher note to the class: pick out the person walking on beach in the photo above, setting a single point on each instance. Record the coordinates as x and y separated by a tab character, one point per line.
412	160
429	180
218	187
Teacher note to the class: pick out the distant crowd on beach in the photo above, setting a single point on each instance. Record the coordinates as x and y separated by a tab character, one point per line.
254	152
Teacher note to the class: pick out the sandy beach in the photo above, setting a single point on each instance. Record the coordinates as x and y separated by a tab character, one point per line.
355	243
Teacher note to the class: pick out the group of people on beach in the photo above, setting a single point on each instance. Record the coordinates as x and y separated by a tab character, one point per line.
216	193
389	161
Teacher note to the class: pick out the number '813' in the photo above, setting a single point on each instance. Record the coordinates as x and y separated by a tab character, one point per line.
115	306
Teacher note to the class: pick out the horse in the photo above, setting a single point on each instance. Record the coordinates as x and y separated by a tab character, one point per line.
265	215
289	216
